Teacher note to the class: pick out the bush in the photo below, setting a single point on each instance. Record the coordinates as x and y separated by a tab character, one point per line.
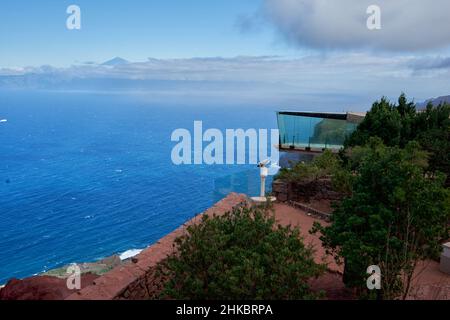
387	121
396	216
325	165
398	124
322	166
240	255
433	134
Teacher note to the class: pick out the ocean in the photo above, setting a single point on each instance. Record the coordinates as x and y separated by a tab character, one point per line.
84	176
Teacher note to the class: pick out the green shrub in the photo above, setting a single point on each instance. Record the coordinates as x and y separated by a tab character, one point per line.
398	124
396	216
322	166
240	255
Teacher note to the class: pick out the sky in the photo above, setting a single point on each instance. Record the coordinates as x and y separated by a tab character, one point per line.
34	32
286	52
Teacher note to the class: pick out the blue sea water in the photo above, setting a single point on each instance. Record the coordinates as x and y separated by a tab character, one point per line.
84	176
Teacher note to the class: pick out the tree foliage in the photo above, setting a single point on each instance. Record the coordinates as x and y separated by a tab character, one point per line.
396	215
433	133
325	165
382	121
394	170
240	255
398	124
321	166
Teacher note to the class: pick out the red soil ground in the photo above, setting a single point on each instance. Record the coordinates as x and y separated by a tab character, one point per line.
429	283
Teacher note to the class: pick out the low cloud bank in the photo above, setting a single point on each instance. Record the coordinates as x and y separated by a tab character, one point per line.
335	81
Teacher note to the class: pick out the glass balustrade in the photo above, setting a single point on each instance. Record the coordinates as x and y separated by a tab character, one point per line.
302	130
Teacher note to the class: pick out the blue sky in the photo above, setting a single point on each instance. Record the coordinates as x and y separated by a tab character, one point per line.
34	32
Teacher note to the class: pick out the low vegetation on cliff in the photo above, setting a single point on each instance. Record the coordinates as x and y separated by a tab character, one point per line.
241	255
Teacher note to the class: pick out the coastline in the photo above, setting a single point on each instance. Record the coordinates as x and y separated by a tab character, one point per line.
98	267
90	271
133	277
112	271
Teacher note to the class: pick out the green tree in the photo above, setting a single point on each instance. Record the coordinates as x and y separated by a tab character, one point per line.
396	216
407	111
433	133
383	121
398	124
240	255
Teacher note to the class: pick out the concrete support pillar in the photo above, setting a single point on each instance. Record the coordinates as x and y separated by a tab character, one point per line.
263	187
445	258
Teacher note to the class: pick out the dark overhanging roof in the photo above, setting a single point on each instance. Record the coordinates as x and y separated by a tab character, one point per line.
324	115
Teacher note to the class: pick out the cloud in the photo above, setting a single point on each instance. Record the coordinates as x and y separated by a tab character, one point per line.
265	69
434	63
334	81
407	25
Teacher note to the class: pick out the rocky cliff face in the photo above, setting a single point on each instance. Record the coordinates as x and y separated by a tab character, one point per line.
51	285
41	288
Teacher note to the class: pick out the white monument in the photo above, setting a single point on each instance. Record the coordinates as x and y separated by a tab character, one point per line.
263	172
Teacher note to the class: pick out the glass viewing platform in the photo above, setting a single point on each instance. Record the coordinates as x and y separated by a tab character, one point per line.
315	131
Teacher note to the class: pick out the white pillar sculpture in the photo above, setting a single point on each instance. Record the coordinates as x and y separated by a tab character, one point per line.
263	173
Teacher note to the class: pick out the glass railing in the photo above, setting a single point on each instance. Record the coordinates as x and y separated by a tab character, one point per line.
300	132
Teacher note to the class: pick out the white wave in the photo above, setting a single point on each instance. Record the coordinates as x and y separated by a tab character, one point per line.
130	254
3	120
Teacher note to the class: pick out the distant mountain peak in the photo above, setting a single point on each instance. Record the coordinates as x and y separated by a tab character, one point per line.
117	61
434	101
